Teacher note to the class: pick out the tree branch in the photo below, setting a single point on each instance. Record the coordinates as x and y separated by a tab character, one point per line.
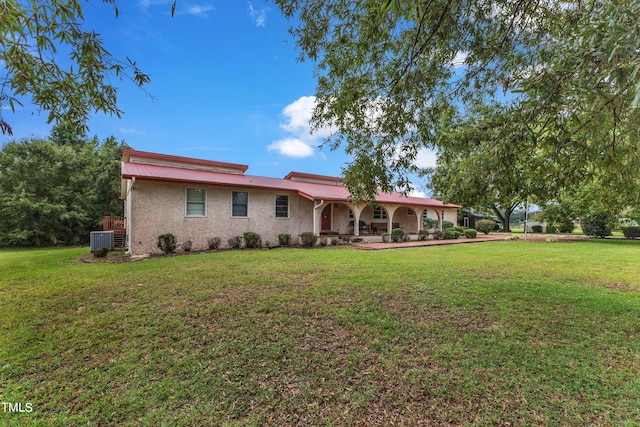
420	50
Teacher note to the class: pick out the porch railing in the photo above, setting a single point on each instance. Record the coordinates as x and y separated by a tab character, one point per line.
114	223
117	224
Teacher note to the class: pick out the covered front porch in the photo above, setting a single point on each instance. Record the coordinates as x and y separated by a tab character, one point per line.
345	219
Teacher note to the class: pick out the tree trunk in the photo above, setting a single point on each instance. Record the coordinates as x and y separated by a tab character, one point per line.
507	218
504	219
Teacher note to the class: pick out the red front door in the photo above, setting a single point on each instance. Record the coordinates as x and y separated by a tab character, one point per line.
326	218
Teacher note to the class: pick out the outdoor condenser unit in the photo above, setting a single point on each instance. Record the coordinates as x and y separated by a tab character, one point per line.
101	239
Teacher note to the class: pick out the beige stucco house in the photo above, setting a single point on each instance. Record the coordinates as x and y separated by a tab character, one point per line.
198	199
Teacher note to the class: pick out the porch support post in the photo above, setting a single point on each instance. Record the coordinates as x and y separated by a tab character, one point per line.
317	213
357	210
418	211
390	211
356	223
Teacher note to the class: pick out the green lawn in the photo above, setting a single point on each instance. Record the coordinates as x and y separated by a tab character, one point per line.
504	333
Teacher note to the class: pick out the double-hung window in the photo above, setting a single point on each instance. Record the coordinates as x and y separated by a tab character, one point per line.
282	206
379	213
240	204
196	202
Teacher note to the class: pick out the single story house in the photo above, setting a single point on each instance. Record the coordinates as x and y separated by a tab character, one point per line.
198	199
469	218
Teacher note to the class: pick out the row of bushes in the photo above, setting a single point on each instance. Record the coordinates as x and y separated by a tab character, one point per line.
168	243
595	225
452	233
399	235
562	227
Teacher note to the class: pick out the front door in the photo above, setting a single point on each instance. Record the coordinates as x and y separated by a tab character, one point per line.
326	218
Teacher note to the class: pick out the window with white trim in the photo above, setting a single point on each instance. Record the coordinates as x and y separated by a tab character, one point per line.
240	204
196	202
379	213
282	206
410	212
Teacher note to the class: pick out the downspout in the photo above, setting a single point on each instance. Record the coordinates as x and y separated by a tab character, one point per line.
129	208
315	207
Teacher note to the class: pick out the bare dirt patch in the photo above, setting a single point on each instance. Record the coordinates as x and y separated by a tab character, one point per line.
117	256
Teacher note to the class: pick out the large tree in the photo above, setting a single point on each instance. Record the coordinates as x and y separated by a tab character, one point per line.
56	191
388	70
36	39
491	161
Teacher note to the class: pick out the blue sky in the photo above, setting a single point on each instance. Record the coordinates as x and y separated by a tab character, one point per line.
225	81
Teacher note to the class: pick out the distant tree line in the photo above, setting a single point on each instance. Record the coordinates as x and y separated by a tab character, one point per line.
55	191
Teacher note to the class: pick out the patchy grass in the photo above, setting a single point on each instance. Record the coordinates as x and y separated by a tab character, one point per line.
504	333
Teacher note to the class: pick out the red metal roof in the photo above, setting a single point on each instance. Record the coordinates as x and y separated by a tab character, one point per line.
127	153
304	175
311	191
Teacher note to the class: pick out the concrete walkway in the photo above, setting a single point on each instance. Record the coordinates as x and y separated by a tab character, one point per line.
492	237
431	242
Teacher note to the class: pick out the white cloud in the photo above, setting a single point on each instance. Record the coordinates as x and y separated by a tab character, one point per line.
426	158
197	10
292	147
300	142
193	9
299	113
460	59
131	131
417	193
145	4
259	16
